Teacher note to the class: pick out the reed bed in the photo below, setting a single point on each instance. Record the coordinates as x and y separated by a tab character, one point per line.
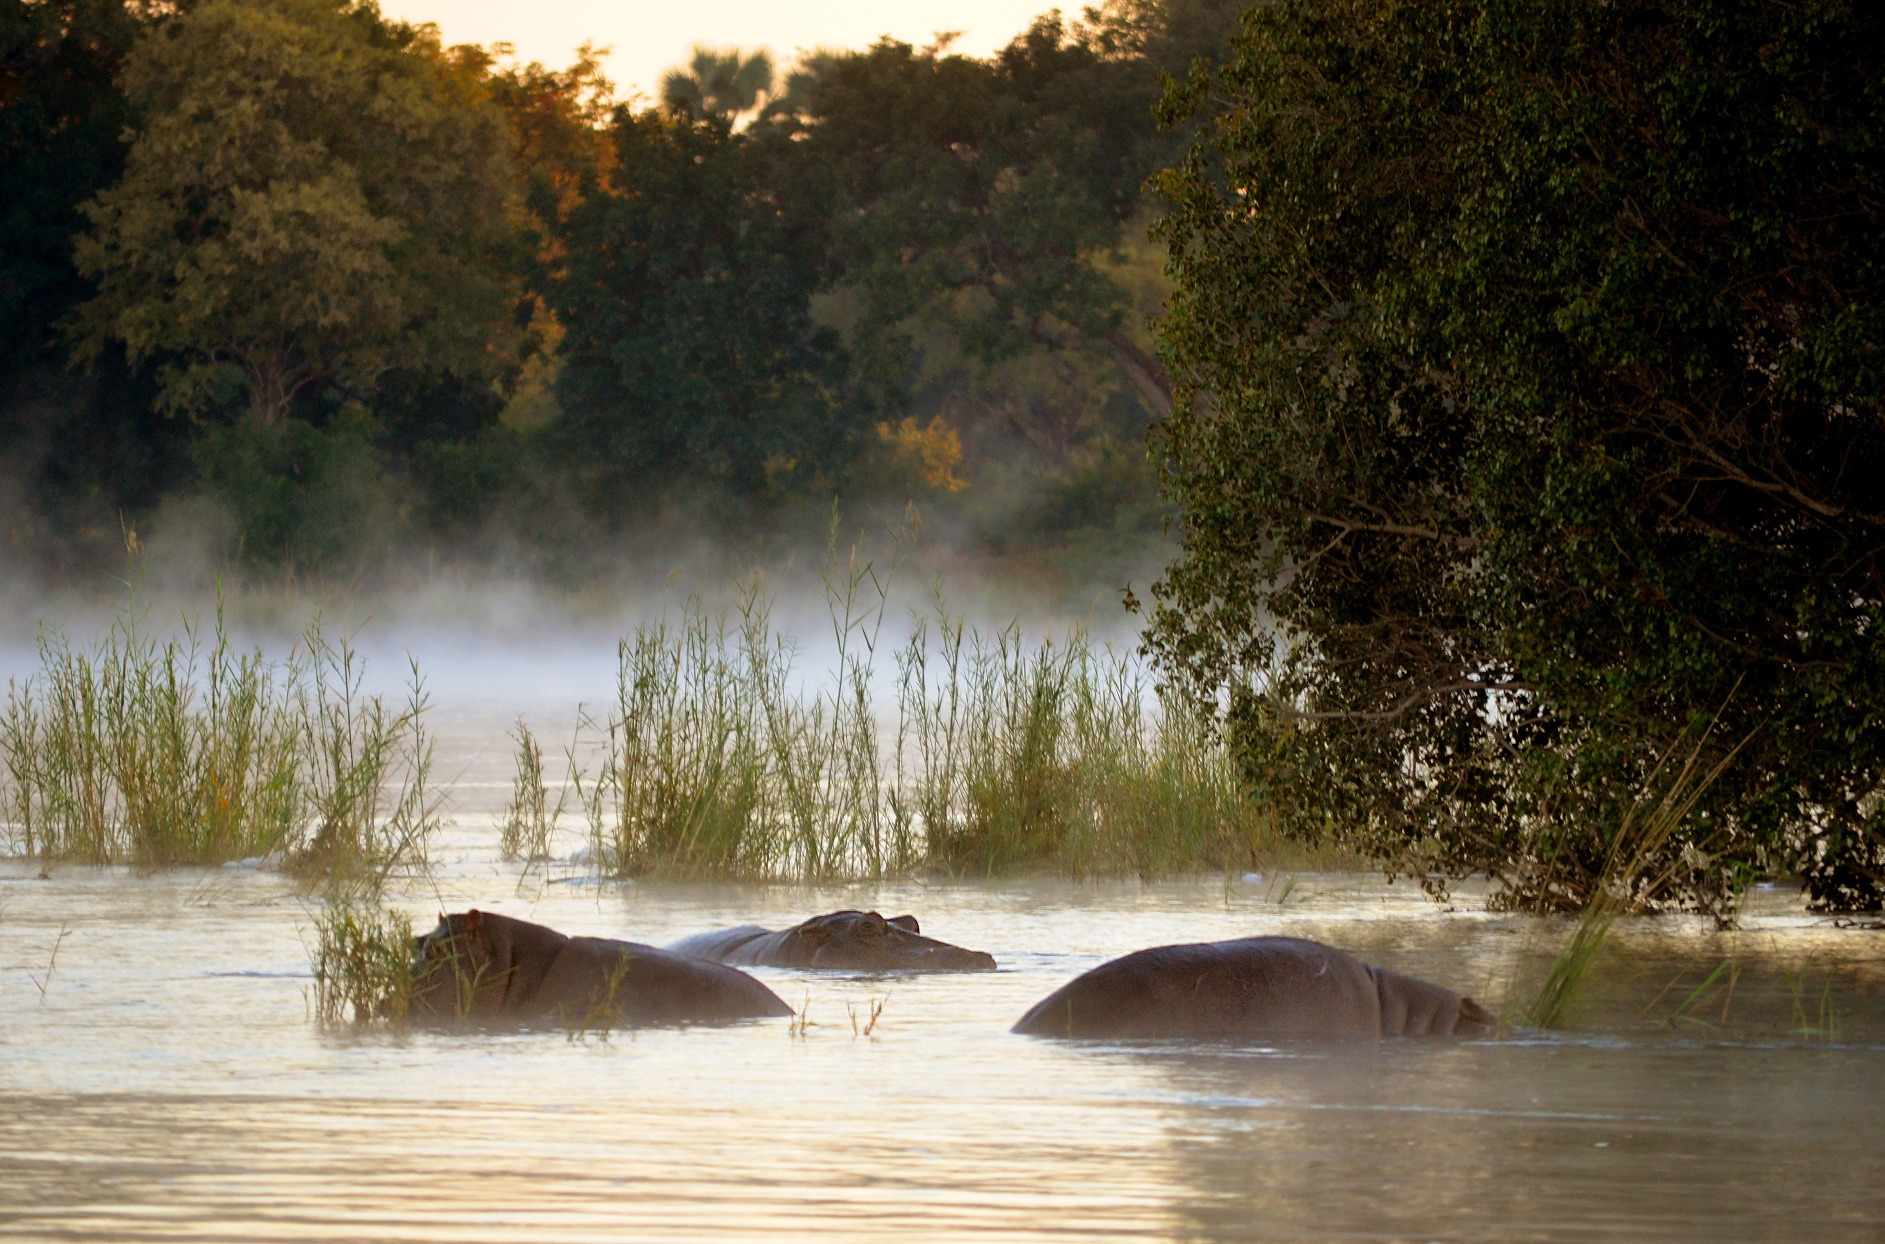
191	751
362	960
720	757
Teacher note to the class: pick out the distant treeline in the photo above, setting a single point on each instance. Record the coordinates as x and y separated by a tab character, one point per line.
356	289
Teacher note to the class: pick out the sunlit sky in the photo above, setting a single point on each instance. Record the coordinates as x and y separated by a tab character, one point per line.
649	36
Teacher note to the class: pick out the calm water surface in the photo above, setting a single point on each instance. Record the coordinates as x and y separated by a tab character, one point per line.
167	1082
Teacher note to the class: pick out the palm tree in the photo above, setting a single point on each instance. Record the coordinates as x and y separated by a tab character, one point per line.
720	84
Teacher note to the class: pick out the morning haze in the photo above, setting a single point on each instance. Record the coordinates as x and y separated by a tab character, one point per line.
1184	619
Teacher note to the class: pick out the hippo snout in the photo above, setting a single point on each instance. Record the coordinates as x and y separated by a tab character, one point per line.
956	959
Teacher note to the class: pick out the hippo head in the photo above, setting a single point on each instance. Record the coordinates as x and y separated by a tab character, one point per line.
458	969
866	941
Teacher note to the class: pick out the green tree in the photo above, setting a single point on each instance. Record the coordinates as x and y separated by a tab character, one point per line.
1530	417
690	356
718	84
78	446
315	196
62	118
976	195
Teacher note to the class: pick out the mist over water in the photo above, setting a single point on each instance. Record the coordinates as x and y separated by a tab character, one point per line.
482	630
163	1079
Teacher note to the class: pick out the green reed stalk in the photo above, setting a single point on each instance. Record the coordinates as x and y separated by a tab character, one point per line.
1636	871
719	761
528	824
192	751
362	961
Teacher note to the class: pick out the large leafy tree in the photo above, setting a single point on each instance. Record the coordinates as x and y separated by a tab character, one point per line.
1530	421
683	289
76	443
62	118
719	83
982	195
315	196
989	265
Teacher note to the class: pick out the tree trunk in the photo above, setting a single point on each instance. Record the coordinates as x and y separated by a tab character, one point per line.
1145	372
273	383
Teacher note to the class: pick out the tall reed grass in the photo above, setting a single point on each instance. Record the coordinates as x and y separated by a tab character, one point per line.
362	960
720	756
529	822
1637	870
192	751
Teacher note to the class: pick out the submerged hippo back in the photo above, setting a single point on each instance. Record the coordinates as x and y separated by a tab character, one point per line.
862	941
745	945
596	979
1250	987
485	967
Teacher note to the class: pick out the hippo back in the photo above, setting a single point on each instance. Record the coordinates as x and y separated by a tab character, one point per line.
744	945
859	941
1276	987
598	979
1258	986
481	966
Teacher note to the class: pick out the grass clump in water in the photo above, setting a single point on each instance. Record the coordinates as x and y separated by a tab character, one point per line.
190	751
529	821
1637	870
1064	756
715	765
720	760
363	964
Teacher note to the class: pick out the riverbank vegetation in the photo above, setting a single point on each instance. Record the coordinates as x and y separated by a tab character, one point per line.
304	287
1529	416
1516	400
190	750
722	756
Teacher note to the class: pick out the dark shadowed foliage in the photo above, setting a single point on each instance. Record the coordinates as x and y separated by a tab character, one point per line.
691	356
1530	415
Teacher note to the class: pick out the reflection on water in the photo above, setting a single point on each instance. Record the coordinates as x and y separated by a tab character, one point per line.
167	1084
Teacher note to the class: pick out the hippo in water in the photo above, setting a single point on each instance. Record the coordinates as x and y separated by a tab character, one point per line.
857	940
482	966
1251	987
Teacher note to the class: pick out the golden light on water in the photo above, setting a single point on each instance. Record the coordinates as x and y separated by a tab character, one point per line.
170	1084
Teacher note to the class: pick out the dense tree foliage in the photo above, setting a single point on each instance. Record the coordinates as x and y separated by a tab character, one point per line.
719	84
313	196
1530	422
62	120
690	354
77	445
358	287
983	206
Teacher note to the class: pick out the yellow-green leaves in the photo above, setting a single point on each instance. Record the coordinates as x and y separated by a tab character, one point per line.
313	198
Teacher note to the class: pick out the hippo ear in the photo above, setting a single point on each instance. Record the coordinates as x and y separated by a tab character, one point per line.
814	931
474	921
906	923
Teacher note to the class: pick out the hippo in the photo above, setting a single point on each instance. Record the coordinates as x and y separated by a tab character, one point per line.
485	967
1251	987
857	940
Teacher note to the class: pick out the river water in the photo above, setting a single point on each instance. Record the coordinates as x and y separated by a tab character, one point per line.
161	1078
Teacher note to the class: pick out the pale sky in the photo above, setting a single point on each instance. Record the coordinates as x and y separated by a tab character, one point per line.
649	36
